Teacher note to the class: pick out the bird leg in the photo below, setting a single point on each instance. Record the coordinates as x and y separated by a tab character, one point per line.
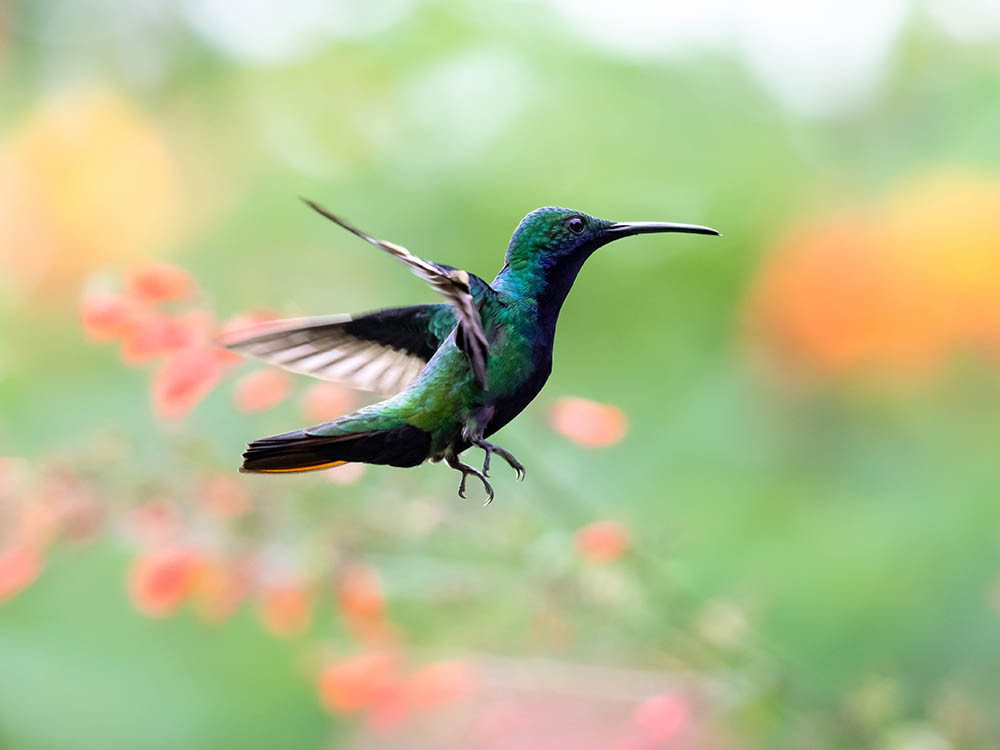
454	462
473	431
505	454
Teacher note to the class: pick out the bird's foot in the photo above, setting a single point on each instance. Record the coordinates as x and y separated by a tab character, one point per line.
505	454
466	470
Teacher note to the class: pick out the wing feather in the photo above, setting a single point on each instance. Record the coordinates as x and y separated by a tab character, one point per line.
452	283
382	351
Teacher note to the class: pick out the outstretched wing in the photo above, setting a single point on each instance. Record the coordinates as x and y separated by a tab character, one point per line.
452	283
382	351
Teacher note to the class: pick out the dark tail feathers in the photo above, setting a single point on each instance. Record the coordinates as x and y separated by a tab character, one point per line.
299	451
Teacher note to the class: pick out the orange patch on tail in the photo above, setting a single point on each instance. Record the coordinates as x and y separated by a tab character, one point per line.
317	467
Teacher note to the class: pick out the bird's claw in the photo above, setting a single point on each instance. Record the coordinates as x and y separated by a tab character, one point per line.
486	485
489	449
466	471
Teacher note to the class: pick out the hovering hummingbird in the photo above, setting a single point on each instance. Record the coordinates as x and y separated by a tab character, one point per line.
454	372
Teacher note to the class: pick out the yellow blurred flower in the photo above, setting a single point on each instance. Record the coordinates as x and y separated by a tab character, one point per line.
85	179
895	290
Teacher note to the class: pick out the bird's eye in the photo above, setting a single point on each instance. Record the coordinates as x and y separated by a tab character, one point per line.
576	224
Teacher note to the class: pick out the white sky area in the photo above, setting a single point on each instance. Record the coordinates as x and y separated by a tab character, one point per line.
263	31
969	20
815	56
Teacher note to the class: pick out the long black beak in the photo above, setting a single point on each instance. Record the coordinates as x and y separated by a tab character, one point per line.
628	228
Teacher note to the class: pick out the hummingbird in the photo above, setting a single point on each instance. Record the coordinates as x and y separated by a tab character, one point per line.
453	373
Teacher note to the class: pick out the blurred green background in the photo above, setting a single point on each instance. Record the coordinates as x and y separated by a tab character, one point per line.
808	480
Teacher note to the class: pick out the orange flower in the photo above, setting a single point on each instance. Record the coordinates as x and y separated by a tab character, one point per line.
152	335
218	590
148	337
602	541
225	496
105	315
20	565
184	379
896	290
439	684
390	706
588	423
361	602
820	295
160	581
285	609
324	401
661	718
355	684
154	282
262	390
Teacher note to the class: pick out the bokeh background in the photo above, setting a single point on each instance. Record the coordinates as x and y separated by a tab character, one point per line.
762	506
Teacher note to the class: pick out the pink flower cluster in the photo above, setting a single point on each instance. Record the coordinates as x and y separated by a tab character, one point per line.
159	317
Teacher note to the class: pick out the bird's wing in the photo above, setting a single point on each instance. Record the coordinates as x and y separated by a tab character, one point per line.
382	351
453	283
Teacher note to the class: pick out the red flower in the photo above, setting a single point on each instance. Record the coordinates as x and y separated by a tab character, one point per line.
261	390
160	581
285	609
390	706
362	604
184	379
602	541
373	683
152	335
20	565
105	315
218	590
355	684
155	282
359	594
588	423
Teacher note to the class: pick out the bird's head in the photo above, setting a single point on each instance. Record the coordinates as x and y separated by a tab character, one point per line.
552	238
